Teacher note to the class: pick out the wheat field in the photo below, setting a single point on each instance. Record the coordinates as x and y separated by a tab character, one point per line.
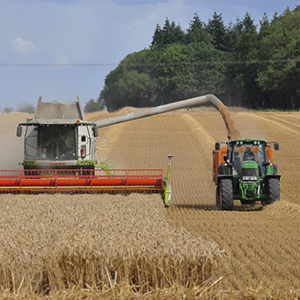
132	247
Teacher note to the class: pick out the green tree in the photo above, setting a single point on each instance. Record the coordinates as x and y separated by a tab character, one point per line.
176	71
197	33
217	30
238	63
92	105
247	56
264	25
169	34
8	109
133	82
280	77
192	70
26	107
211	70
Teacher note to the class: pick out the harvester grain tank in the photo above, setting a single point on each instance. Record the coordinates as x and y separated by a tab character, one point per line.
60	152
244	170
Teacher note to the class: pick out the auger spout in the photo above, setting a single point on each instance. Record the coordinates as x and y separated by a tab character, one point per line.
197	101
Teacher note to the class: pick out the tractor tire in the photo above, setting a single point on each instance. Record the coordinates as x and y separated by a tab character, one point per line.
226	194
273	190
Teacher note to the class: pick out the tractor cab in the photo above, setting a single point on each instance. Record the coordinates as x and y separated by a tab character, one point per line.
248	158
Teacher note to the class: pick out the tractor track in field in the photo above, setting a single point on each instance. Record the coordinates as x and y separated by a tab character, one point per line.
261	243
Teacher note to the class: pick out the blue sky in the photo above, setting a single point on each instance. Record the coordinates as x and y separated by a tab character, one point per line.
63	48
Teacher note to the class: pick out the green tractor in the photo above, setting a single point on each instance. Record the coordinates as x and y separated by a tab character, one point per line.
243	170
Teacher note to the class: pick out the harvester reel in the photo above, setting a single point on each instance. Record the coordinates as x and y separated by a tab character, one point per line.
101	152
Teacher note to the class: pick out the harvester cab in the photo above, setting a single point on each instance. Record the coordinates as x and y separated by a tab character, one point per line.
243	170
58	137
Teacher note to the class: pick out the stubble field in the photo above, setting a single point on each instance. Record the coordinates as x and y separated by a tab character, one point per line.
253	250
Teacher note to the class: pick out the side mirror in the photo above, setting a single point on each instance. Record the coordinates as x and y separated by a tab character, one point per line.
95	131
19	131
217	146
276	146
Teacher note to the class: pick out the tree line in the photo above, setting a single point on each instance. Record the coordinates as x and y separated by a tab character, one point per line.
21	107
241	64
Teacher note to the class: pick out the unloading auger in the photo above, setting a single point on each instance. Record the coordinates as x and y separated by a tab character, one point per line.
60	152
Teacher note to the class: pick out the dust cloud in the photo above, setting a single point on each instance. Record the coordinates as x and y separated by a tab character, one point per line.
11	146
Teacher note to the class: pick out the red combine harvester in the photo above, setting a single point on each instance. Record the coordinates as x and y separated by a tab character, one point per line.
60	153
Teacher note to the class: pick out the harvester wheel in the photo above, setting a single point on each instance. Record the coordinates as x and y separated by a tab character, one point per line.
226	194
273	190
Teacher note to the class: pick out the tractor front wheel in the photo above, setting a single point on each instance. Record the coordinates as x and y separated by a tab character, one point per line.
226	194
273	190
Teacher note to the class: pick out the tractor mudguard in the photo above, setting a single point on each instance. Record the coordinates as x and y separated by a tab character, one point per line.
225	176
272	176
221	169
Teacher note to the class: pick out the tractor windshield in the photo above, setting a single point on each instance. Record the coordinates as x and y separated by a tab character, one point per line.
254	151
249	151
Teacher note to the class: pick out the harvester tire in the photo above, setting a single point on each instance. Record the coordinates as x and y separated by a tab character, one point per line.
273	190
226	194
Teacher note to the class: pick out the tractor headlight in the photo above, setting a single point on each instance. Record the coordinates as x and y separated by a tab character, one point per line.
249	178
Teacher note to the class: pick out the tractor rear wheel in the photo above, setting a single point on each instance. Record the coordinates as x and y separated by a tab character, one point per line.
273	190
226	194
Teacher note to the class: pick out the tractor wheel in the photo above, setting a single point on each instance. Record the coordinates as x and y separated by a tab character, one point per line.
226	194
273	190
218	204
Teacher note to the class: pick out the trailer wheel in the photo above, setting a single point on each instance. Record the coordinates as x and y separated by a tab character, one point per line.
226	194
273	190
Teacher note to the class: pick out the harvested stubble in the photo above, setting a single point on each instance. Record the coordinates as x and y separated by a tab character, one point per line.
52	243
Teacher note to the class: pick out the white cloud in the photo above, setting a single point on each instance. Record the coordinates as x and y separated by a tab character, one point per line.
62	60
24	47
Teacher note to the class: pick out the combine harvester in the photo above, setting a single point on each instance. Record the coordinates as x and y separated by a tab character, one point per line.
60	152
